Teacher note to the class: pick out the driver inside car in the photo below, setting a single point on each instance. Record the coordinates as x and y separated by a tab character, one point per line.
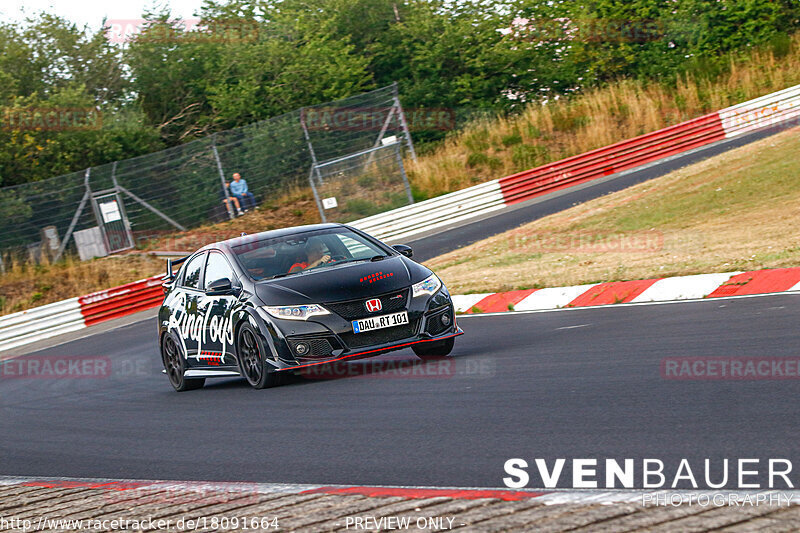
315	256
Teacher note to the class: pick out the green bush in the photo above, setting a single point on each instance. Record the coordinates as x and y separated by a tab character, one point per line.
476	159
526	156
495	163
781	45
366	181
512	139
477	142
564	121
359	208
417	194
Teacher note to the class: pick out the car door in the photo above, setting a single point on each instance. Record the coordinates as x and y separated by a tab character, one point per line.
218	341
187	319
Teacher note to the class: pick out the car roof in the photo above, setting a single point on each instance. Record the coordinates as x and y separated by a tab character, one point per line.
271	234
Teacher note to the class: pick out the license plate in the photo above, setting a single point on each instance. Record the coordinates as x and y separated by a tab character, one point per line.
380	322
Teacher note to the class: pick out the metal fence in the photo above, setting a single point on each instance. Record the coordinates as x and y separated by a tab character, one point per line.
117	204
361	184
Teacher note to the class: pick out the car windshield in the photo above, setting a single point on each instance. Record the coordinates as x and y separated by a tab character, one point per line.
307	251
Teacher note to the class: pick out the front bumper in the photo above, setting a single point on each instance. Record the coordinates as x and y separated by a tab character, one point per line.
330	338
372	352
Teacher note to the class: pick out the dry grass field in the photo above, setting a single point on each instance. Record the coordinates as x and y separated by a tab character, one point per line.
26	285
735	211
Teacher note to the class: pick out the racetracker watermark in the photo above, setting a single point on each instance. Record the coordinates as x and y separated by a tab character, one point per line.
232	31
730	368
50	119
588	242
217	523
334	118
56	367
400	522
435	368
169	242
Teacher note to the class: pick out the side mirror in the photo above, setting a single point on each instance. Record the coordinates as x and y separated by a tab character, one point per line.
404	250
220	287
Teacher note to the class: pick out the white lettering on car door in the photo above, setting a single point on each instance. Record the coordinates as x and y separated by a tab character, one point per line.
192	326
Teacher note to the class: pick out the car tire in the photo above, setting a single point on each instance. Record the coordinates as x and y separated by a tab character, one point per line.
250	355
175	364
425	350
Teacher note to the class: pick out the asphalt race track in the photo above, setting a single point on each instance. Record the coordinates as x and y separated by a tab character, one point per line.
581	383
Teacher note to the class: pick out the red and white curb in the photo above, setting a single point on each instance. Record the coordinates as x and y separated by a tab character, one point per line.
678	288
545	496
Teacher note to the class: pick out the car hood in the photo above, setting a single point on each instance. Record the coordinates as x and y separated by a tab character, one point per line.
346	282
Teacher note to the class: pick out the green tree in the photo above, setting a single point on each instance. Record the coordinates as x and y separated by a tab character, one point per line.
196	82
50	64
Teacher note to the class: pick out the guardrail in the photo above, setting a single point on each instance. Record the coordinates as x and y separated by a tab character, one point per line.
770	110
70	315
120	301
40	323
608	160
434	213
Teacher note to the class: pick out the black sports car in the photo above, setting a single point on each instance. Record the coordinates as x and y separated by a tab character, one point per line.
260	305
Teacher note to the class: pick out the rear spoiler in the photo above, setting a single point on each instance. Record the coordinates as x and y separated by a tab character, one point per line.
171	263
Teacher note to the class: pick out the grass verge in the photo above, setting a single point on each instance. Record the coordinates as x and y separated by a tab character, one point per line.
541	134
736	211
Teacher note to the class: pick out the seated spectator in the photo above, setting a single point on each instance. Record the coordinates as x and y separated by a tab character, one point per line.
235	201
244	199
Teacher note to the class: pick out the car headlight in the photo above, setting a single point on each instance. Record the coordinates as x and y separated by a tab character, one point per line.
427	286
295	312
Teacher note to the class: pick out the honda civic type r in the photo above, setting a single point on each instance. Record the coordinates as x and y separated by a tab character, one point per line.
264	304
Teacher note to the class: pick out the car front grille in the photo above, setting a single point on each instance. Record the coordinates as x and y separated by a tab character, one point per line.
391	302
380	336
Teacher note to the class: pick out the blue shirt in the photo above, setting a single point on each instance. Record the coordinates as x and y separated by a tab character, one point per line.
239	187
